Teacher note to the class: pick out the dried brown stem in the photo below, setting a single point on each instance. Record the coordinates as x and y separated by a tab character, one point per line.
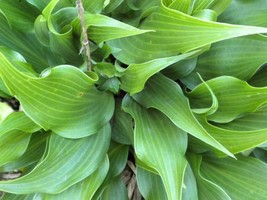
85	40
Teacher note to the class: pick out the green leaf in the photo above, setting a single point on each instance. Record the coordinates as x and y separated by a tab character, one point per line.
118	155
15	134
82	190
190	189
122	125
242	178
111	85
175	33
27	45
260	154
135	76
61	100
22	10
33	154
62	41
67	162
8	196
40	4
112	5
115	190
13	144
102	28
93	6
214	105
201	4
235	98
159	144
249	122
41	30
206	14
219	6
181	5
106	69
240	64
18	121
150	185
180	69
234	140
246	12
259	80
206	188
175	105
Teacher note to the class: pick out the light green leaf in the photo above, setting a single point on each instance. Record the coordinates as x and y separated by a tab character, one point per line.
175	105
201	4
3	90
181	5
175	33
135	76
206	188
62	100
159	144
18	61
18	121
5	110
206	14
150	185
81	190
67	162
235	98
41	30
234	140
214	105
15	134
241	179
102	28
33	154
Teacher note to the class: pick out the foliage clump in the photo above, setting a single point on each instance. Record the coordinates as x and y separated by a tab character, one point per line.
152	99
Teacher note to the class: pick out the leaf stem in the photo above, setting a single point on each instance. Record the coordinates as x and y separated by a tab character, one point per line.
85	40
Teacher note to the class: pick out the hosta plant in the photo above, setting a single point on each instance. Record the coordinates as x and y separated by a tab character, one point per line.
133	99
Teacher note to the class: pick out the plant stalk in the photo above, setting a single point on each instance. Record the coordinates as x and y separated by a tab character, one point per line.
84	35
